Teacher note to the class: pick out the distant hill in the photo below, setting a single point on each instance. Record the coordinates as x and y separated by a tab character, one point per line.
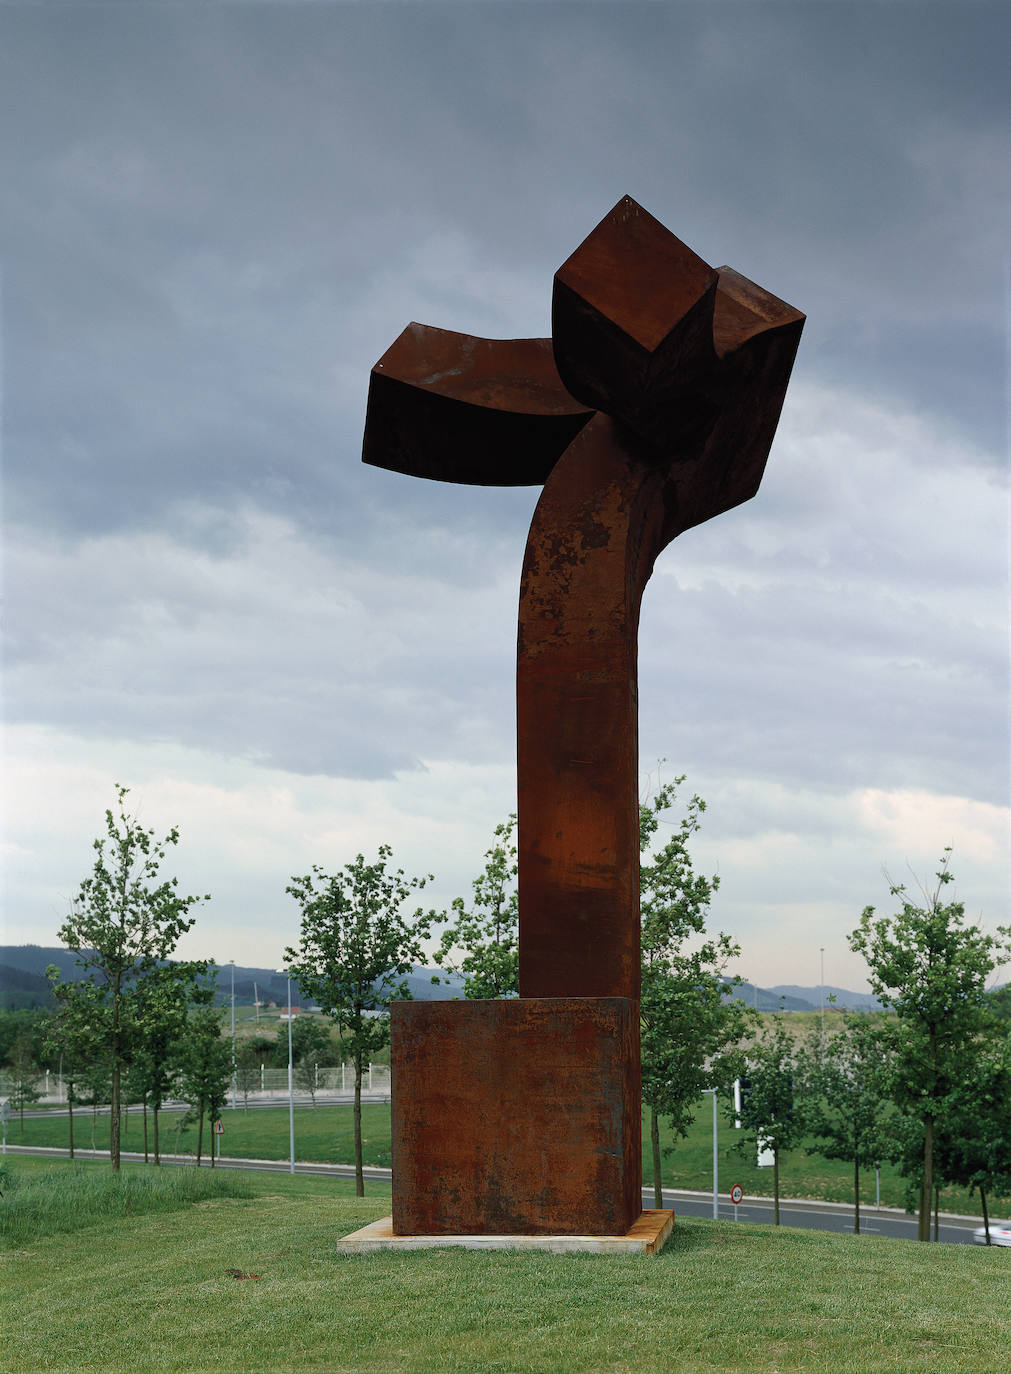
844	999
23	982
37	958
20	990
769	999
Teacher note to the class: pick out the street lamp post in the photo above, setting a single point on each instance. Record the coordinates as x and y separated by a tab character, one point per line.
823	1004
716	1160
291	1090
234	1084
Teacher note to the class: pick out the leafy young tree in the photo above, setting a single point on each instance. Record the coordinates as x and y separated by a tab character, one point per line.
23	1072
932	969
482	943
310	1045
96	1088
74	1036
356	946
973	1146
124	922
770	1119
690	1022
159	1006
247	1070
1000	1002
31	1021
847	1109
205	1069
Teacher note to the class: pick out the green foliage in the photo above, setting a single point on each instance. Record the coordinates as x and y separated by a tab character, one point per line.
847	1112
247	1069
72	1040
482	943
973	1141
691	1025
22	1072
770	1119
158	1007
124	922
931	969
310	1045
1000	1003
204	1058
34	1022
356	947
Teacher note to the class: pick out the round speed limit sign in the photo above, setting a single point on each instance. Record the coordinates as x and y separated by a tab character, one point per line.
736	1193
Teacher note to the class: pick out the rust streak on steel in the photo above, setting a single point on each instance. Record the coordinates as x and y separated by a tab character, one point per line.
651	409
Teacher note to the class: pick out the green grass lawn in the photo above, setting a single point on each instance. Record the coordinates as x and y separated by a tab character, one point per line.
151	1292
325	1136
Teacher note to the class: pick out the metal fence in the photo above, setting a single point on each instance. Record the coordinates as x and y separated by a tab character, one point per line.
327	1080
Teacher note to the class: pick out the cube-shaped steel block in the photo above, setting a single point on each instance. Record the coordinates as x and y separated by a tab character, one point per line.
516	1117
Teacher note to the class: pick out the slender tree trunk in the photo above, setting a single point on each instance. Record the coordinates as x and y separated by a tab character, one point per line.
154	1131
856	1197
986	1219
654	1135
200	1135
775	1185
114	1115
117	1069
70	1113
145	1128
928	1177
359	1175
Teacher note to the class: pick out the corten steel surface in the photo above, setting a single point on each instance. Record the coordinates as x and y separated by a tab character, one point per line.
515	1117
650	410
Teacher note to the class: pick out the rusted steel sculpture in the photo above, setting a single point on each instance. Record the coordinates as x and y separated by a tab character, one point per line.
651	409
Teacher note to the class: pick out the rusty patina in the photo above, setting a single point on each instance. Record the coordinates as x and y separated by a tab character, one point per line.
515	1117
650	410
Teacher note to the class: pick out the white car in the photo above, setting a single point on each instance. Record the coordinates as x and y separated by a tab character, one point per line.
1000	1233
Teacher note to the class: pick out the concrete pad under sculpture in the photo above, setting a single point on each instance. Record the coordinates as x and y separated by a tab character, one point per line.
647	1236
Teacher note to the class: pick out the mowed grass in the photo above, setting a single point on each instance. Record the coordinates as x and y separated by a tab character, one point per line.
152	1292
325	1136
44	1197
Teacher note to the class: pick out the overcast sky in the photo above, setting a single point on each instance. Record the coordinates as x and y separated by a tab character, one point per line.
216	217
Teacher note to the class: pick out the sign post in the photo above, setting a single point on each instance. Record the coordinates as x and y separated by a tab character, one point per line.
736	1193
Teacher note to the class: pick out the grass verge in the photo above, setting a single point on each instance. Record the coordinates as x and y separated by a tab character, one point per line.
325	1136
152	1293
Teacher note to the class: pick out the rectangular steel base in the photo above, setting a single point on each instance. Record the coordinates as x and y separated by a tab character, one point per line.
647	1236
516	1117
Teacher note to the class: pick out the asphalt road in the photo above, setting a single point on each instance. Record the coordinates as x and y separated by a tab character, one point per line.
818	1216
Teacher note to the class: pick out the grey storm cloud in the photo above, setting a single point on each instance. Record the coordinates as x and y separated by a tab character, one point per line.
216	217
214	214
